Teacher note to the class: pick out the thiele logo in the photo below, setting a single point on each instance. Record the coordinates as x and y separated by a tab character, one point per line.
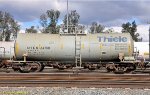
112	39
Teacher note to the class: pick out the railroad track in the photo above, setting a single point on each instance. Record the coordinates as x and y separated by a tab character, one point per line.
75	80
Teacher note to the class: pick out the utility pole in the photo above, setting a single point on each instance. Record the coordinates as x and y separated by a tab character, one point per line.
67	16
4	34
149	43
149	39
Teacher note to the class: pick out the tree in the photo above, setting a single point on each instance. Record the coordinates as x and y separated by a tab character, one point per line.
43	22
49	21
132	29
96	28
8	26
31	30
73	21
73	18
111	30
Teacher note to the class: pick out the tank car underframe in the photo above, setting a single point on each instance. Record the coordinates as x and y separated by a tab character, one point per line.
27	66
125	66
37	66
121	67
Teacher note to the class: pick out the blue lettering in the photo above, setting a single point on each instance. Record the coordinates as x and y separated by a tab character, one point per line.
124	39
115	39
112	39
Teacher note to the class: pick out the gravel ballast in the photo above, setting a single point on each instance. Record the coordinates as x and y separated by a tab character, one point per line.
71	91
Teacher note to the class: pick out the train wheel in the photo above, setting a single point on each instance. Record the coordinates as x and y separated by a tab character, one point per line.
110	67
92	66
42	67
119	70
16	69
31	67
25	68
131	68
37	67
99	66
109	70
61	67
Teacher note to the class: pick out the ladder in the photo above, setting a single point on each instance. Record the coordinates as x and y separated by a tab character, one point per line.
78	60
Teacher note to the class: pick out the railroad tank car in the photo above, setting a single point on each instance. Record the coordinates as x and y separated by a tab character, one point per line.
6	50
56	47
31	52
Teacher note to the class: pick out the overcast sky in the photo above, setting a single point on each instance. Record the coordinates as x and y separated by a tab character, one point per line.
107	12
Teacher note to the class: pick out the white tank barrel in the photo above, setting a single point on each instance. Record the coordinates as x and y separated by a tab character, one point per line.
92	47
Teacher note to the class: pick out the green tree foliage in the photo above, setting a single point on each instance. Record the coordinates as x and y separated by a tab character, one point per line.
8	26
132	29
73	18
111	30
96	28
43	22
31	30
49	21
73	21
